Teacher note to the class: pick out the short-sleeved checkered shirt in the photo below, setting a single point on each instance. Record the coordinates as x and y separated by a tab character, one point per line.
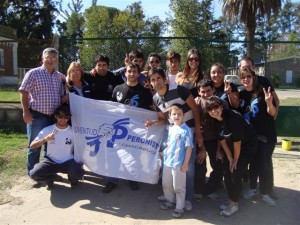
45	89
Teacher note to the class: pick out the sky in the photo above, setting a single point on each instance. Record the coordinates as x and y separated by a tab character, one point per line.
151	7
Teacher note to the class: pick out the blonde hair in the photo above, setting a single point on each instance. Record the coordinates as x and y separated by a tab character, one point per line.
72	66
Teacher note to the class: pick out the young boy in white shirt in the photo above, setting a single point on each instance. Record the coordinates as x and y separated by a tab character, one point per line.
176	160
60	151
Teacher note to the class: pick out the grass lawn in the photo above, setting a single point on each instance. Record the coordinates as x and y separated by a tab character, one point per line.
12	158
290	102
9	94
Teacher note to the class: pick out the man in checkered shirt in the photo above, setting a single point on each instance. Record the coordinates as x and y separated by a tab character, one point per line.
41	92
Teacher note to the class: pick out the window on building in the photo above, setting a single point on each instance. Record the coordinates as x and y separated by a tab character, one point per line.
1	58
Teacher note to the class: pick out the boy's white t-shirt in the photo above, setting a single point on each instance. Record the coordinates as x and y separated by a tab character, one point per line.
179	137
61	148
172	78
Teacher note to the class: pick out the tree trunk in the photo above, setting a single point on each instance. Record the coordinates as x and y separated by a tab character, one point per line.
250	32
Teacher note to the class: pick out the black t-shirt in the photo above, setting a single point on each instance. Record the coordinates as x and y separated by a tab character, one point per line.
102	86
175	94
137	96
254	109
219	91
264	82
234	128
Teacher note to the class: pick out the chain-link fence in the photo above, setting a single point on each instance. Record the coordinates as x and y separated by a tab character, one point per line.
281	65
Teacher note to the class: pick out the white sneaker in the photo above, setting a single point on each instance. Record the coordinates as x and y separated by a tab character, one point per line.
268	200
161	198
250	194
223	206
188	206
230	210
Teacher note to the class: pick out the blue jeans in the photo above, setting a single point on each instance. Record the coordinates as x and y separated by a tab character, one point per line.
39	122
46	170
189	194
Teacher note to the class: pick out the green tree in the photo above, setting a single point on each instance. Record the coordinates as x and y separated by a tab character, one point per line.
280	28
194	19
247	11
33	20
280	50
106	30
71	31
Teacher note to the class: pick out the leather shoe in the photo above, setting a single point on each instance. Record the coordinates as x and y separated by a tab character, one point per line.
109	187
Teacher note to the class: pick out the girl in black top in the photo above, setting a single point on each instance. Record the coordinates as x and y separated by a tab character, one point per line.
238	140
224	89
258	108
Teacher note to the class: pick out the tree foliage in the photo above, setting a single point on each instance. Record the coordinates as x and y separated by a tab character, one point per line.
31	19
247	11
115	25
280	51
194	19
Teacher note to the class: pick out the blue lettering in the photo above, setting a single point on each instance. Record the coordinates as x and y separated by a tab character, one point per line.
120	131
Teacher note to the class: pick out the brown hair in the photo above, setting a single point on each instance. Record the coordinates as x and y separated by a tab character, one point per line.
218	65
256	86
187	68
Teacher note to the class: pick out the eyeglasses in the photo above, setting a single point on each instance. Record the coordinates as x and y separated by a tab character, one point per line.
248	77
50	58
193	59
63	117
154	61
213	107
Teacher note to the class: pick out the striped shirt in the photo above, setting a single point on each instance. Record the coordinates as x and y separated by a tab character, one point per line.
179	137
45	89
175	94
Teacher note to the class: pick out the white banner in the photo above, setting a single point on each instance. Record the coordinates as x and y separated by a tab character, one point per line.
111	139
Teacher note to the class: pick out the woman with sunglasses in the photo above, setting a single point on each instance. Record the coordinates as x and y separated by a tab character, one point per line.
191	73
258	107
238	141
224	89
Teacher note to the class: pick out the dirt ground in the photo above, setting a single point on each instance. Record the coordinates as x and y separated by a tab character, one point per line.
86	204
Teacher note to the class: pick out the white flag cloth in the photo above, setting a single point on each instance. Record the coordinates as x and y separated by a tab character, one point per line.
112	140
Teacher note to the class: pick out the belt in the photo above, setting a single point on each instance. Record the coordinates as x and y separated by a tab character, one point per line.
39	113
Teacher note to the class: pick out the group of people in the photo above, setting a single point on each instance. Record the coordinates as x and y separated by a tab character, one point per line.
205	115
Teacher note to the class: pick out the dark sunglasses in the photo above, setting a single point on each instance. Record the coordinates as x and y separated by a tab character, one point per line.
213	107
193	59
248	77
154	61
63	117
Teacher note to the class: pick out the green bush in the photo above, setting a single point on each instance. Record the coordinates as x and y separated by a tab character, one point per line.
297	82
275	80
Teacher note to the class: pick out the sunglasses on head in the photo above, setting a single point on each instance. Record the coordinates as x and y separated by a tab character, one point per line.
193	59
